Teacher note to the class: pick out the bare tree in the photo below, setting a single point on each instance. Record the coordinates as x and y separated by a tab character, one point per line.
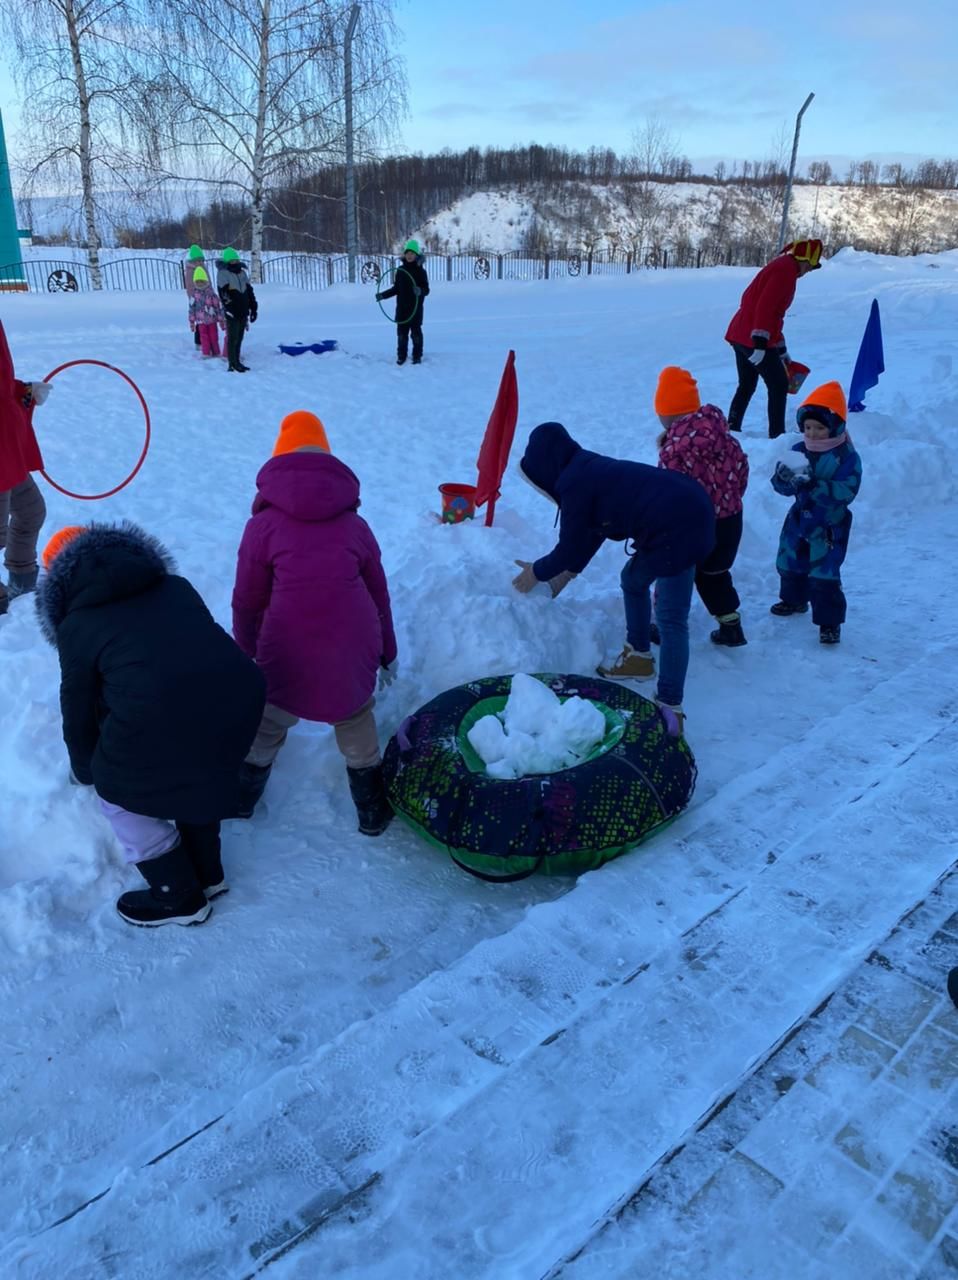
72	62
249	93
654	152
820	173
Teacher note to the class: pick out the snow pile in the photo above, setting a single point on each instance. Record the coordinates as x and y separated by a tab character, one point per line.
536	732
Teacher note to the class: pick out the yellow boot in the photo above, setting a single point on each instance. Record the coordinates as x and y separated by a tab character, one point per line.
630	665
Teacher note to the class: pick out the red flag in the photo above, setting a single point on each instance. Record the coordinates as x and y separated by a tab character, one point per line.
497	442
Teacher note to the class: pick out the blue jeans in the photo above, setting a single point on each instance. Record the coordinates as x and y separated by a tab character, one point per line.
673	599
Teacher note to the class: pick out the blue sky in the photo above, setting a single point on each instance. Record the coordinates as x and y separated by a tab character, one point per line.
503	71
515	71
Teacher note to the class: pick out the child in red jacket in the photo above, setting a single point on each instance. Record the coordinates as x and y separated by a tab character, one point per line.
22	509
755	332
696	441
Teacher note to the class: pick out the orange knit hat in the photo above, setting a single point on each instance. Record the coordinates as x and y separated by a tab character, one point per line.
829	396
298	429
59	541
677	392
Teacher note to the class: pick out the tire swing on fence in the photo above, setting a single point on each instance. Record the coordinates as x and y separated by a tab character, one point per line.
637	779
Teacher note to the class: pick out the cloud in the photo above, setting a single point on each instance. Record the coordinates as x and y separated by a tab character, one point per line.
453	110
548	112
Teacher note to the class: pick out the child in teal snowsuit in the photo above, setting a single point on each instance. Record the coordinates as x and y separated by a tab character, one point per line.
823	480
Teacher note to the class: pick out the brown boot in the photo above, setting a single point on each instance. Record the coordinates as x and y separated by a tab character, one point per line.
630	665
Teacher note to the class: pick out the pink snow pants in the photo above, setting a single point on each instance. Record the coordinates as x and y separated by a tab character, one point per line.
209	339
140	837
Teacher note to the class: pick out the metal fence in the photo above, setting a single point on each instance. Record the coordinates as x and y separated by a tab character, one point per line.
315	271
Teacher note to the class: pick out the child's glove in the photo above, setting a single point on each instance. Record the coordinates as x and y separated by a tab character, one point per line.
387	674
785	475
39	392
379	297
253	315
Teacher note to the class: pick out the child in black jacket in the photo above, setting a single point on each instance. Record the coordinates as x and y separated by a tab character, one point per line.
239	305
160	707
410	289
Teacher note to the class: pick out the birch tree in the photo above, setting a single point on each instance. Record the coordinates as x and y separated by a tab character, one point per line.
72	64
248	96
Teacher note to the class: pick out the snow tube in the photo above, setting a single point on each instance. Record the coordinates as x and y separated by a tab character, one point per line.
635	781
300	348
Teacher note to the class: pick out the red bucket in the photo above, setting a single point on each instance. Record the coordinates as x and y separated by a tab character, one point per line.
797	373
458	502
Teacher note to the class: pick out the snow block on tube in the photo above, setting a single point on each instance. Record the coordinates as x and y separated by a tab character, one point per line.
635	781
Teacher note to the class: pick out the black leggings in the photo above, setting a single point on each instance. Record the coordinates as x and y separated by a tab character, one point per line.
713	577
773	373
235	330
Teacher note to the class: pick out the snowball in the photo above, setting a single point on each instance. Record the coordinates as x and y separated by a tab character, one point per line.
488	739
582	724
531	705
797	462
536	733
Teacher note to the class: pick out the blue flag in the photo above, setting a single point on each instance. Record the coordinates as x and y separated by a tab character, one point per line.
870	363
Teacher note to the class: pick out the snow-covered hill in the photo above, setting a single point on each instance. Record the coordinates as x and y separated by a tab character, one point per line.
881	219
579	215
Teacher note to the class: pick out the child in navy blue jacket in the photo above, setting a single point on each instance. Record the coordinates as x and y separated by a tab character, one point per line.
670	522
823	480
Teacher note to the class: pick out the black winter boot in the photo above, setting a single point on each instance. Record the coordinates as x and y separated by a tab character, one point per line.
783	610
953	986
253	780
174	895
202	844
830	635
20	583
368	790
729	632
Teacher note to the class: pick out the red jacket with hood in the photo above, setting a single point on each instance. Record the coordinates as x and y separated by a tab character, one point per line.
19	451
761	313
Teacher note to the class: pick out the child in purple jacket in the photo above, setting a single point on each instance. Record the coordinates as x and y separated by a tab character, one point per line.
311	605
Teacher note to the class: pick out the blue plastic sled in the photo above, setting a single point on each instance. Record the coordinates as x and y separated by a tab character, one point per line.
300	348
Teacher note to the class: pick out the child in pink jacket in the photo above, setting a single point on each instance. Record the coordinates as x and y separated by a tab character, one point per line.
206	313
311	605
696	441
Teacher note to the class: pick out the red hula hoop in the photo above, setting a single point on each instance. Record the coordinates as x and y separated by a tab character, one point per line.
95	497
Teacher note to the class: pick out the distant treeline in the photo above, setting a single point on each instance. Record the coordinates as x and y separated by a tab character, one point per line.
403	192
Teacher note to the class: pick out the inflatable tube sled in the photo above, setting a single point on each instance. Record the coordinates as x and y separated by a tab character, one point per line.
300	348
636	780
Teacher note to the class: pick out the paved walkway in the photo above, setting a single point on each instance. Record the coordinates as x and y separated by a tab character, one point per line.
838	1158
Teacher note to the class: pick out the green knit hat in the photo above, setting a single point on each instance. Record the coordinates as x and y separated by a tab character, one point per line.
200	276
413	246
195	253
230	255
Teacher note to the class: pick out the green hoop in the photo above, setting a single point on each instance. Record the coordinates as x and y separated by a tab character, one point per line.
394	271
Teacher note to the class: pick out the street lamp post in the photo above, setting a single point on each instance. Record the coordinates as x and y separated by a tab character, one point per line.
791	173
351	246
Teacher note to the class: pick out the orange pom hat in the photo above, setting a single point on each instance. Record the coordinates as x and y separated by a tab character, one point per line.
677	392
826	404
59	541
299	430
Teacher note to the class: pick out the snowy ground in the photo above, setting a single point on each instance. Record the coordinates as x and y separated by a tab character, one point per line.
391	1067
